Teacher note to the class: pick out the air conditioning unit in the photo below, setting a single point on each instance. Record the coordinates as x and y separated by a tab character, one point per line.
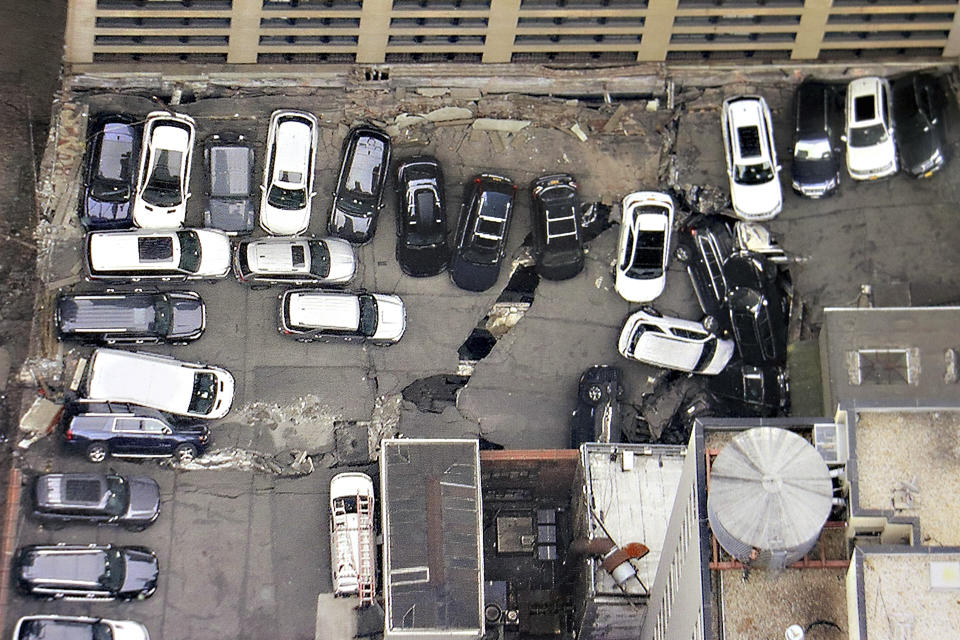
830	441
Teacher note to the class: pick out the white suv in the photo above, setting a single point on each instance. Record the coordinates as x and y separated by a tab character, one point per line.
751	158
673	343
163	185
315	314
871	153
159	382
134	255
288	173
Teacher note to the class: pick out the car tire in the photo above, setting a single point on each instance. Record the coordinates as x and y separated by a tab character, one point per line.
681	253
185	453
594	393
97	452
710	324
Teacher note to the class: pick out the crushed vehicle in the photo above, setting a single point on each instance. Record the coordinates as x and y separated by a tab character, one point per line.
673	343
598	415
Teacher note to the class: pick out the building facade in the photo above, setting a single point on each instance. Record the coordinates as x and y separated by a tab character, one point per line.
505	31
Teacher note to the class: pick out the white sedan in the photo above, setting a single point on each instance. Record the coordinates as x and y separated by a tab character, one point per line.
871	153
163	185
751	158
288	173
673	343
644	247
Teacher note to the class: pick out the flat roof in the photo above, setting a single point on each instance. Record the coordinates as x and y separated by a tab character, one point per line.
433	545
890	357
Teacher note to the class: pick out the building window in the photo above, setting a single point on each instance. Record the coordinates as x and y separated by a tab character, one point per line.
884	367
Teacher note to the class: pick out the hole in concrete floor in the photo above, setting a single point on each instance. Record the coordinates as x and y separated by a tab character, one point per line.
433	394
478	344
594	220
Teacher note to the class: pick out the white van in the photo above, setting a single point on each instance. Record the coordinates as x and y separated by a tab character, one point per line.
160	382
352	545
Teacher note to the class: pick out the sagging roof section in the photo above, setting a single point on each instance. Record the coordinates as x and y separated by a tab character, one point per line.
432	528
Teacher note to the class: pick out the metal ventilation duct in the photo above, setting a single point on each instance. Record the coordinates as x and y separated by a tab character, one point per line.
770	493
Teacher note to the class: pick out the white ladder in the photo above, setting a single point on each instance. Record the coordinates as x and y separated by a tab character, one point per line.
365	568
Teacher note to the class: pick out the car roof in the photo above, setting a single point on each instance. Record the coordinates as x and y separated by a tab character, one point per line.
159	381
324	310
111	251
746	118
864	95
81	566
230	169
278	256
366	161
812	103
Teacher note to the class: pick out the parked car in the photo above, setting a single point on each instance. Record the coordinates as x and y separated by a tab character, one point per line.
163	181
160	382
353	550
555	219
351	316
86	572
871	153
166	256
102	429
748	390
597	415
482	229
229	163
288	173
177	317
759	295
297	261
358	198
816	160
132	502
751	158
79	627
644	248
919	108
673	343
421	218
704	243
113	154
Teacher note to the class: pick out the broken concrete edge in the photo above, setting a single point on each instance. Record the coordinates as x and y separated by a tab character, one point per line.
500	124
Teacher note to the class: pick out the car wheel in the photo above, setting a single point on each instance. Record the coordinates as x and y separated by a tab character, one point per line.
594	393
710	324
97	452
185	453
682	253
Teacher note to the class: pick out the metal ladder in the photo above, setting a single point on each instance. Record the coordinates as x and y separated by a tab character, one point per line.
365	569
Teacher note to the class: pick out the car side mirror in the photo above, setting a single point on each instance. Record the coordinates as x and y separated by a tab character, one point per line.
843	139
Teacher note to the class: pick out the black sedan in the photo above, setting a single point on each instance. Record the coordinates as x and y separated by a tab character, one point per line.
748	390
421	218
482	229
557	245
358	197
113	153
86	572
919	106
177	317
59	498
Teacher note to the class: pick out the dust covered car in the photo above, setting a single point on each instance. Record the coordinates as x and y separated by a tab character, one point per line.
59	498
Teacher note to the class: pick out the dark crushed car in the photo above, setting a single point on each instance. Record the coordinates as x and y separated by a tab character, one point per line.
816	153
482	229
229	163
597	417
130	318
557	246
704	243
919	107
113	154
759	294
86	572
101	429
91	497
421	218
358	197
750	391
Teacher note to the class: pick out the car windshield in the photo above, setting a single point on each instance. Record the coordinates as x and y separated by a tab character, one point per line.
163	316
204	393
163	187
868	136
113	570
647	256
752	174
114	159
319	259
118	497
812	150
287	199
189	251
368	315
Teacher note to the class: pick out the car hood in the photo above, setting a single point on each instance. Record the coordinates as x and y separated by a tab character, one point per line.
868	158
814	172
141	571
423	261
756	201
343	260
106	215
230	215
639	290
284	222
189	316
916	146
353	226
721	357
128	630
392	318
215	254
144	500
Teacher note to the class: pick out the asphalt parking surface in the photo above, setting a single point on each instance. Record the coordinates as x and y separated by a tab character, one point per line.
244	555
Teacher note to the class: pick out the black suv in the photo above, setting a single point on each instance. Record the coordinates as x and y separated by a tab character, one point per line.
557	245
359	195
750	391
113	155
816	155
759	294
704	243
482	229
597	417
91	497
101	429
919	106
421	218
86	572
130	318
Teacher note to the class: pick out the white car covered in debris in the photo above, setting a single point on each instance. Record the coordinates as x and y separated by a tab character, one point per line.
673	343
871	153
288	173
352	546
163	185
751	158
